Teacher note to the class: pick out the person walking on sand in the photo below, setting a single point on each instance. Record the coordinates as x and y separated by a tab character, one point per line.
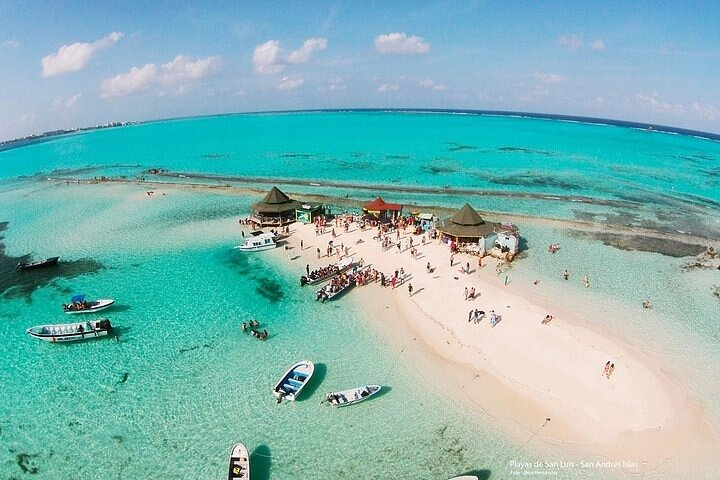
301	245
610	370
467	267
410	289
466	293
428	268
318	252
607	369
586	281
566	274
452	259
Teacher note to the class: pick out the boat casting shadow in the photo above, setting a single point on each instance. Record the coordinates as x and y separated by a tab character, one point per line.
260	462
318	377
383	391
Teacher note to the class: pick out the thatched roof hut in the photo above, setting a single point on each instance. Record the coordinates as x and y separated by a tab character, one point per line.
275	209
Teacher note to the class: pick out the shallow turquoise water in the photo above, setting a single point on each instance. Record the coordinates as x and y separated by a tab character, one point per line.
184	384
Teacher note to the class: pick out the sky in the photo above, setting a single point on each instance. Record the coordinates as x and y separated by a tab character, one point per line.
77	64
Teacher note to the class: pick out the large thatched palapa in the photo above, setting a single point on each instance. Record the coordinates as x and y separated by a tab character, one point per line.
467	226
276	209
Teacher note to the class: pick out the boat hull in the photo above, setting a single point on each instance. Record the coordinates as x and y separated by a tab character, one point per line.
239	468
341	266
71	332
96	306
352	396
48	262
294	380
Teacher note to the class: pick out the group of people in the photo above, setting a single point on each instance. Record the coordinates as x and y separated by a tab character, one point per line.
609	369
254	325
475	316
470	294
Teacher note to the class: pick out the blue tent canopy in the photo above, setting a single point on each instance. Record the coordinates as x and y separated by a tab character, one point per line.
78	298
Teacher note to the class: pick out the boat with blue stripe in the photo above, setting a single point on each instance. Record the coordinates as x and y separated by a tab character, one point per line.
294	380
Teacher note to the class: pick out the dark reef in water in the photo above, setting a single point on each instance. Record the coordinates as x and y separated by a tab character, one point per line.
534	180
267	287
644	243
22	283
525	150
26	462
304	156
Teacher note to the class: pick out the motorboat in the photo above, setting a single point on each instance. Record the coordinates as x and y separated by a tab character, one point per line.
48	262
78	304
69	332
293	381
259	241
239	463
322	274
352	396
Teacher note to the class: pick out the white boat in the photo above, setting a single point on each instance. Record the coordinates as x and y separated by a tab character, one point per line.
325	273
339	285
78	304
352	396
69	332
465	477
294	380
259	241
239	463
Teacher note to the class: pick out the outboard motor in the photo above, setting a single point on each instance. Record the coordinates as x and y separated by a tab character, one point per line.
303	280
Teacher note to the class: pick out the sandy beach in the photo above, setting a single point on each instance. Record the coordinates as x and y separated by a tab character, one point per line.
520	372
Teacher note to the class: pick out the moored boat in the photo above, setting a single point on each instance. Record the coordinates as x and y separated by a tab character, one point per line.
352	395
78	304
322	274
239	463
294	380
48	262
69	332
339	285
259	241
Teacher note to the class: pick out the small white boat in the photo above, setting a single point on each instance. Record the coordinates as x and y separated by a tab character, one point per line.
239	463
465	477
69	332
325	273
294	380
78	304
352	396
259	241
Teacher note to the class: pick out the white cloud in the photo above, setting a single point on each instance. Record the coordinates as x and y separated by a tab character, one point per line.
550	77
401	43
336	84
388	87
71	58
179	72
571	42
598	45
427	83
266	56
654	102
290	83
710	112
66	104
302	55
10	43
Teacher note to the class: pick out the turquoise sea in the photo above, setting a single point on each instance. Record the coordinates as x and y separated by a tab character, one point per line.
184	384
